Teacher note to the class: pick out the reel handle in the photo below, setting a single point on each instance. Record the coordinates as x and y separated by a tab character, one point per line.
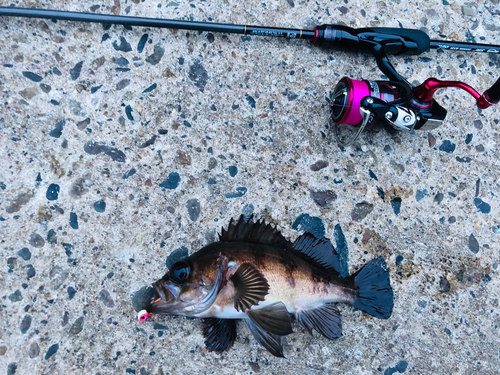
422	95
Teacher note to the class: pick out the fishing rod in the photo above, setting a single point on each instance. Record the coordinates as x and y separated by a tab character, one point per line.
394	105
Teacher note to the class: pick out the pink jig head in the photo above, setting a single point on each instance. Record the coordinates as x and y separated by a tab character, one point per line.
143	315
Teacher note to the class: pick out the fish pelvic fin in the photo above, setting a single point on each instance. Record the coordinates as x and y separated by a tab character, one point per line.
272	342
325	319
219	334
374	294
273	318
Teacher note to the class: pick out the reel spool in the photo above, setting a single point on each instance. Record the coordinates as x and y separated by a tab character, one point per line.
346	112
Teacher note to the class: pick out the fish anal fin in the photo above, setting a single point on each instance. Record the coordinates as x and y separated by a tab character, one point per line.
253	232
250	285
325	319
273	343
219	334
320	252
273	318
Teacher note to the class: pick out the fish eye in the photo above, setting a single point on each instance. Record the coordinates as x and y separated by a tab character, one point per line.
179	272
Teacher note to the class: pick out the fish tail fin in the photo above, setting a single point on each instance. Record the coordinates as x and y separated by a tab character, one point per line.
374	293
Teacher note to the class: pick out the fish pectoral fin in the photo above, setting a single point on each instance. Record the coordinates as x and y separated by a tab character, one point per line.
320	251
219	334
273	343
324	319
250	285
273	318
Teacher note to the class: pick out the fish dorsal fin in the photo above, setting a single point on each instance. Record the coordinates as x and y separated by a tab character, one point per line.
251	287
273	318
324	319
253	232
219	334
318	251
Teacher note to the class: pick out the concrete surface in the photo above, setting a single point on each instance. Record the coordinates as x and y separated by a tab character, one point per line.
103	176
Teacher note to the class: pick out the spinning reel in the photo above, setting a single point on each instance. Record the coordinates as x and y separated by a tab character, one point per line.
394	105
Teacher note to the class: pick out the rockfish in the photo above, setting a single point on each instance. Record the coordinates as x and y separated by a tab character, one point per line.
255	274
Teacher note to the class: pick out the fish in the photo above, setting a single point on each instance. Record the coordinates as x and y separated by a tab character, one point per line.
253	273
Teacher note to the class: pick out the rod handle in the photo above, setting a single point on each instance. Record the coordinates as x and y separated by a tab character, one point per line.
393	41
420	38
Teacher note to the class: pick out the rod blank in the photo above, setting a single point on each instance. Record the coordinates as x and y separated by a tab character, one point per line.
155	22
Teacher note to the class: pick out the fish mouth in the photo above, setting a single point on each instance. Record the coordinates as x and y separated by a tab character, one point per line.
164	302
